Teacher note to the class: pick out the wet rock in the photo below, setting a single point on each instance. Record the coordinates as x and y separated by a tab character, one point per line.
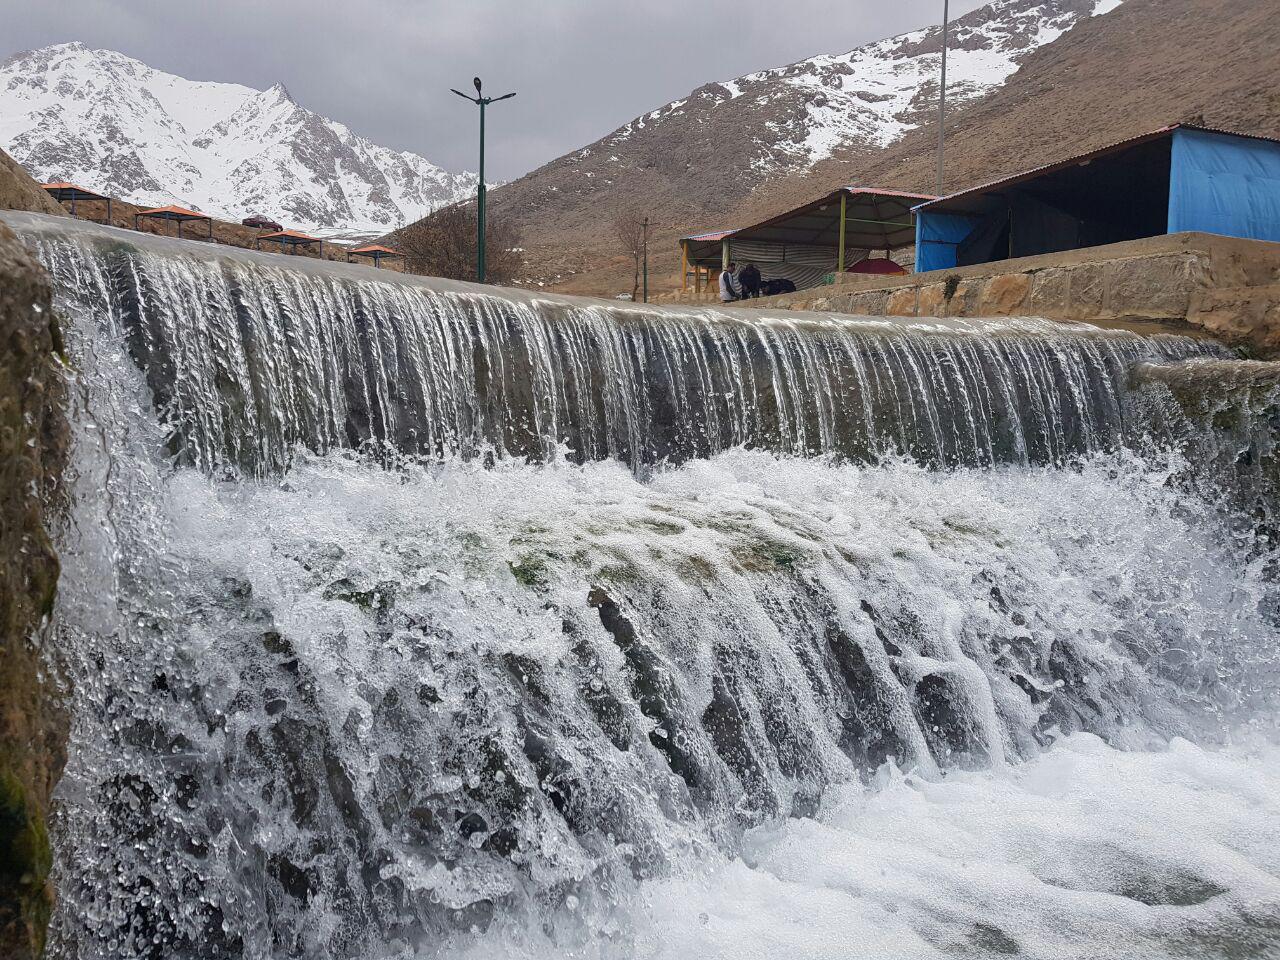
33	439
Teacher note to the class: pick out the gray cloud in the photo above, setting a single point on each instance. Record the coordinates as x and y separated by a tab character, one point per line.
384	67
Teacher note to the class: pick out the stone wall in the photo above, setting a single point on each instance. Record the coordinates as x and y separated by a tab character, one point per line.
1226	287
33	732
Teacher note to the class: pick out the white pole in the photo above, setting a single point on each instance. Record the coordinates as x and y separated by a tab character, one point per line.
942	95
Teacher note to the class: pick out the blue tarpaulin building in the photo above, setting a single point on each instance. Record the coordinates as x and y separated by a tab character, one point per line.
1176	179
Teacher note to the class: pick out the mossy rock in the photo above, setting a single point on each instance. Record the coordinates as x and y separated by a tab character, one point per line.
26	899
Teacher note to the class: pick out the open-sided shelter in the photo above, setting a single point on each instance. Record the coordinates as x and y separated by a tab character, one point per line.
291	239
375	253
825	236
178	215
70	193
1179	178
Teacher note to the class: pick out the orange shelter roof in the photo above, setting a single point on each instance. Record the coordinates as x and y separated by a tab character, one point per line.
374	249
70	188
289	236
173	213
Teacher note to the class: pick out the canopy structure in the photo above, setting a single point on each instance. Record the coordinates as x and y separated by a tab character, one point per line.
375	253
1178	178
70	193
805	244
178	215
291	239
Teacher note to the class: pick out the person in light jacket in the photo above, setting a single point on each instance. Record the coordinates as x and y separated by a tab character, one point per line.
729	289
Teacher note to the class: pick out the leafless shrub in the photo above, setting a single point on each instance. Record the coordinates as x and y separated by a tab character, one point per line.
443	244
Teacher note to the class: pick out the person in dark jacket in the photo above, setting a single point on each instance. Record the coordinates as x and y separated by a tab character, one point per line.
749	279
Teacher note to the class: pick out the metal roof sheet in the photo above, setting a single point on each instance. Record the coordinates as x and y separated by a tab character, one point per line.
796	213
1062	164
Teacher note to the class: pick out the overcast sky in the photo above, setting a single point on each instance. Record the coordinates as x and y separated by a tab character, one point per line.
384	67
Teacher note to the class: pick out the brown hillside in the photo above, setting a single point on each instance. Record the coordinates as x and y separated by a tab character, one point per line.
19	192
1145	64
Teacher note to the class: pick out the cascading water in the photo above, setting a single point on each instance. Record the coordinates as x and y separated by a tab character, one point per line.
406	618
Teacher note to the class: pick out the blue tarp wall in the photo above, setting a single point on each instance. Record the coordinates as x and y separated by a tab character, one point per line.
1223	184
1218	183
937	237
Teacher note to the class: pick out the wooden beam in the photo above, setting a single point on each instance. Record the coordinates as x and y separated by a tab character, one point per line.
684	266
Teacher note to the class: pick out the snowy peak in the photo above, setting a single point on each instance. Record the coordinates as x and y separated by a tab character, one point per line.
870	96
113	123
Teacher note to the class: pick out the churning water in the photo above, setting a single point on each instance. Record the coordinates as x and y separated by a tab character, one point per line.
409	619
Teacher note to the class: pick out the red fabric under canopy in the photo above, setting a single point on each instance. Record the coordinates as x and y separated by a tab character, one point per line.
877	265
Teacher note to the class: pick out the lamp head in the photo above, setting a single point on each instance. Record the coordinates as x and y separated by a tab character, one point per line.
476	81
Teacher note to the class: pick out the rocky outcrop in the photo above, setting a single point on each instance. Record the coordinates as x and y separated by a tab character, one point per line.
19	192
33	441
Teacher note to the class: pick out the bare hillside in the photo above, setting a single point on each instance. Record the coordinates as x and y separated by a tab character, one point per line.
1142	65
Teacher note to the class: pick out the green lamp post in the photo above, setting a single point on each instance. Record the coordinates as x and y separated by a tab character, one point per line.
481	101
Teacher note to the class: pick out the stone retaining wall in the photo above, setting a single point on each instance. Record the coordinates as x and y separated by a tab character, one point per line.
1226	287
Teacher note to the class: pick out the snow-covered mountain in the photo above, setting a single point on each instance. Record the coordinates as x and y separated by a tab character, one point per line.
873	94
112	123
698	161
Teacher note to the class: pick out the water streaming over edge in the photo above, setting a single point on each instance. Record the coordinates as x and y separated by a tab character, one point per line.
358	711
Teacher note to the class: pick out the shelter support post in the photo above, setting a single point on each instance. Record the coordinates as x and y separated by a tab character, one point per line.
108	211
724	254
844	208
684	266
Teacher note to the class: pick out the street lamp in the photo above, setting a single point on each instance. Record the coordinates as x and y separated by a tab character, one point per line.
646	259
942	94
481	101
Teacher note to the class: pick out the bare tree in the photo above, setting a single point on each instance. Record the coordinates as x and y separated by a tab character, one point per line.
628	227
443	244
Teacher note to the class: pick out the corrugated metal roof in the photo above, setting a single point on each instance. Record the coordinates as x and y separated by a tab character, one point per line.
1090	155
852	189
708	237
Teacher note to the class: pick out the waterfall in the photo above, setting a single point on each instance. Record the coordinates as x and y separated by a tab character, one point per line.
411	618
247	359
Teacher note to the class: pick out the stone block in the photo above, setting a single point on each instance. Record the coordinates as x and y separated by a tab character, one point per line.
902	302
932	301
867	303
1152	287
1005	295
967	300
1088	292
1050	293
